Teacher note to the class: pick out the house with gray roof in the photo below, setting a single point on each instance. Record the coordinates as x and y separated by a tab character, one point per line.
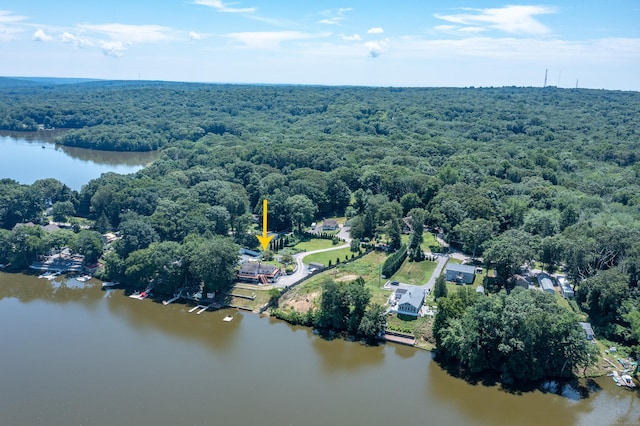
410	300
546	284
588	331
460	274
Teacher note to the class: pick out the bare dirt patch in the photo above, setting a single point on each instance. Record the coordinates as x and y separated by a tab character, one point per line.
302	303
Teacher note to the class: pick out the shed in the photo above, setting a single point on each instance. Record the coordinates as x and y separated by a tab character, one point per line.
461	274
586	326
565	288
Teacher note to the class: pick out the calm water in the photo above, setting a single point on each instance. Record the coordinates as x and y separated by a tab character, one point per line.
73	354
23	158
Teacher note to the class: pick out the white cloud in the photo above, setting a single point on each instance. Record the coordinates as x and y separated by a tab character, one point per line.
222	7
10	25
334	16
40	35
113	48
377	48
375	30
195	36
355	37
131	33
77	41
271	40
513	19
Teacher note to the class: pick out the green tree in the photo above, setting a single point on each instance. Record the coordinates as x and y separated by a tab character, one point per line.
440	287
300	210
88	244
214	262
373	322
61	210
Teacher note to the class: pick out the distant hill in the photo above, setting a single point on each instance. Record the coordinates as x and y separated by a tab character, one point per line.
40	81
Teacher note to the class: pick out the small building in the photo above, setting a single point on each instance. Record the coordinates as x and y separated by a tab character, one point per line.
480	289
460	274
565	288
588	331
521	281
410	300
546	284
258	273
51	227
329	225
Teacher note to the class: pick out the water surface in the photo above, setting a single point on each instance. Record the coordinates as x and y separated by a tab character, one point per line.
73	354
27	157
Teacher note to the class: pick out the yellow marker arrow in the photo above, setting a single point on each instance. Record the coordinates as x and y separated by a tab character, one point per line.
264	240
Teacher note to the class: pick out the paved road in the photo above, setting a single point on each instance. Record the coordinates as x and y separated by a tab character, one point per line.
301	270
442	260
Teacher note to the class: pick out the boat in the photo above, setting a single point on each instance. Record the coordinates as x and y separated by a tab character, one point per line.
84	278
228	318
617	378
53	275
627	381
110	284
46	275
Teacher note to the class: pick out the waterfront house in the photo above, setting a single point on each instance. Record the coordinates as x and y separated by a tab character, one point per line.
259	273
460	274
410	300
588	331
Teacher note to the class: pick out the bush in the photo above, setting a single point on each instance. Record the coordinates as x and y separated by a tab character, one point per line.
393	262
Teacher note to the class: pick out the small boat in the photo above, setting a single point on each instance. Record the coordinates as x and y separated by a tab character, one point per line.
53	276
46	275
110	284
627	381
84	278
617	378
228	318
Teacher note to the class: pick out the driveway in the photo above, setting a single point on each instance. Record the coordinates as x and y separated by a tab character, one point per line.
301	270
442	260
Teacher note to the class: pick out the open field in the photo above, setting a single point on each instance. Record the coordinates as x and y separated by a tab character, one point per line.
327	256
416	273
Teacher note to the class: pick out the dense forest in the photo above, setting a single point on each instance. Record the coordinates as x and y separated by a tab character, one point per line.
509	175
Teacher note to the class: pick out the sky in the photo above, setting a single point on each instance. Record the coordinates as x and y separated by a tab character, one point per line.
425	43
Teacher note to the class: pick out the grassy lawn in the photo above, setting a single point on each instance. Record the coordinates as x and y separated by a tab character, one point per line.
327	256
366	267
313	244
262	297
416	273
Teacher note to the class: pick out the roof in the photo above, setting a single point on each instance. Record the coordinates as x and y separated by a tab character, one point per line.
545	282
465	269
480	289
51	227
330	222
586	326
255	268
413	296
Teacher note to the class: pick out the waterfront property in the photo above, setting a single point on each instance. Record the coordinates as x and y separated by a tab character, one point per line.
60	262
258	273
460	274
330	225
407	300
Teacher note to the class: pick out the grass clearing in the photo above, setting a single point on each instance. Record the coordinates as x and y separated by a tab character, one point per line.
416	273
261	297
313	244
327	256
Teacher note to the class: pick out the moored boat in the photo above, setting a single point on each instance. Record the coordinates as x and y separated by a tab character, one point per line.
110	284
627	381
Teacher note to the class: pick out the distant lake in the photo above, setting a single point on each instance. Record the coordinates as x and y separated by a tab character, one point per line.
29	156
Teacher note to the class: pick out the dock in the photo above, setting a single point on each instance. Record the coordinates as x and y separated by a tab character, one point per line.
399	338
173	299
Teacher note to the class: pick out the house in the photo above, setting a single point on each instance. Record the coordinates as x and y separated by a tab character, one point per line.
259	273
565	288
545	283
521	281
329	225
51	227
461	274
410	300
587	329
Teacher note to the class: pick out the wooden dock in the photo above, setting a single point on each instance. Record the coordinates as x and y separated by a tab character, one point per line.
400	338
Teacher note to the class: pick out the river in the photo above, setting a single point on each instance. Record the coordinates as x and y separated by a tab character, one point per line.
29	156
73	354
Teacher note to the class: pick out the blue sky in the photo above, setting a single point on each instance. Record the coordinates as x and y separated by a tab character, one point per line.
347	42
